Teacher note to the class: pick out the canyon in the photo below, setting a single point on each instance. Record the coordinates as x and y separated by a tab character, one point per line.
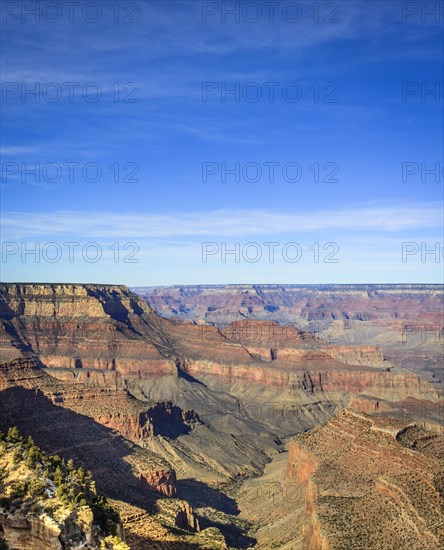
356	482
282	303
405	321
186	402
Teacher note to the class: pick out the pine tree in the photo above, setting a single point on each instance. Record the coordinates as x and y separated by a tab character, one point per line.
58	476
13	435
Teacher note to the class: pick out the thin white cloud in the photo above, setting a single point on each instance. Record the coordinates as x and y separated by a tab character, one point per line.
220	223
18	151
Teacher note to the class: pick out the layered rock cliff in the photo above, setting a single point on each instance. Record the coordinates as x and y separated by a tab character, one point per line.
108	337
82	326
149	403
325	380
222	304
369	482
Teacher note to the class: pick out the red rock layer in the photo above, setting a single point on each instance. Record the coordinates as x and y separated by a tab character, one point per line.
372	483
81	326
103	334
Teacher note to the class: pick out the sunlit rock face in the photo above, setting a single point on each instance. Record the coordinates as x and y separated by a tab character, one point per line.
80	326
355	492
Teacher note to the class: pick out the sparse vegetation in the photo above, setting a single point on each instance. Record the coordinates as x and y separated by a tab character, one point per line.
35	483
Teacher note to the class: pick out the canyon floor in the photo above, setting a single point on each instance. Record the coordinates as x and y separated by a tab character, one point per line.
239	416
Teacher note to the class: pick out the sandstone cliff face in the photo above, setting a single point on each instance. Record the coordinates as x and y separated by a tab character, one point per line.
357	495
40	532
358	355
163	481
22	533
137	427
81	326
301	463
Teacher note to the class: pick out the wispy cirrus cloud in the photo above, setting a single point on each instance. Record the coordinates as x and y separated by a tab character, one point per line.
18	151
220	223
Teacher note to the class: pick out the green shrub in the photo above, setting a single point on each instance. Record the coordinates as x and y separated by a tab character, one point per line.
80	475
104	515
18	489
33	455
58	476
5	502
55	460
36	487
13	435
16	456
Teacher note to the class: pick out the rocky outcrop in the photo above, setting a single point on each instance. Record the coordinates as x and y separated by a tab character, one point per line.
355	492
40	532
137	427
22	533
81	326
185	519
163	481
424	413
155	420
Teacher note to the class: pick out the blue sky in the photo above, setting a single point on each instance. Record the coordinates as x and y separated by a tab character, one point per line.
338	109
